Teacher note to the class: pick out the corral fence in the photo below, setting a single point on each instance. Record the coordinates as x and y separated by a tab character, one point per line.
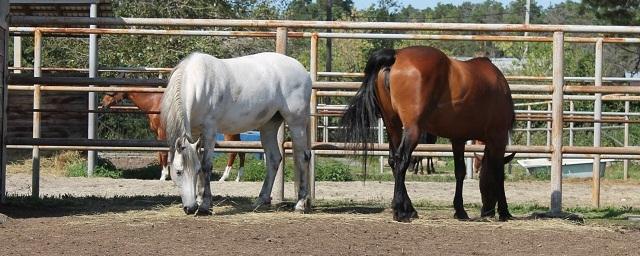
282	30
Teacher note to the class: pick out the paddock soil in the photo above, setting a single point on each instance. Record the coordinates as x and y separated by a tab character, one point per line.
100	216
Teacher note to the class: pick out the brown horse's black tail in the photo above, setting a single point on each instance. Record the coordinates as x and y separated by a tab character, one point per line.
360	118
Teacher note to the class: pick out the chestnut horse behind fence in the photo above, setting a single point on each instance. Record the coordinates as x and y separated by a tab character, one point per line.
150	103
419	89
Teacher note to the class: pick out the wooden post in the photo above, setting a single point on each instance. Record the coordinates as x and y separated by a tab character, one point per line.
469	164
557	122
597	126
626	139
278	192
529	126
4	38
313	124
35	155
548	127
381	140
571	124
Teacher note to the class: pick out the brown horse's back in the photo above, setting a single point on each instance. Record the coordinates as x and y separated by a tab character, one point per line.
454	99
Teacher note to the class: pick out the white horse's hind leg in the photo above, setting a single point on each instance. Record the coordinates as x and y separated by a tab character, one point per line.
269	138
302	155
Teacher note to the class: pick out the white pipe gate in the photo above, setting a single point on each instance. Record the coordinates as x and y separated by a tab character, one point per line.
555	150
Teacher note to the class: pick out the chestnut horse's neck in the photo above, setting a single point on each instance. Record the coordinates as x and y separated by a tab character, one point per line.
145	101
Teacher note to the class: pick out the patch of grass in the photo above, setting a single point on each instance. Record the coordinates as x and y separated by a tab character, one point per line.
77	167
616	171
254	169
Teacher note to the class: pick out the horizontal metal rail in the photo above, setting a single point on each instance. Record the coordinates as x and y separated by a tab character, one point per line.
101	21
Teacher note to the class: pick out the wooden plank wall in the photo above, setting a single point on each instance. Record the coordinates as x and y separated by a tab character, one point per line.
54	125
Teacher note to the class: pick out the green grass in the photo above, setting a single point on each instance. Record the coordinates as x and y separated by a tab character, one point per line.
327	169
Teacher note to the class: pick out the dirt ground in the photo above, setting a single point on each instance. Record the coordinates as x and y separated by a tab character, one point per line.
151	222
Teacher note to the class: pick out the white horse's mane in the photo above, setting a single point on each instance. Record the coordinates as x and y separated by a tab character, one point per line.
172	111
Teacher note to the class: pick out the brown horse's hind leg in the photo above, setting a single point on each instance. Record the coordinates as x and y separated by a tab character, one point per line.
402	208
492	183
460	172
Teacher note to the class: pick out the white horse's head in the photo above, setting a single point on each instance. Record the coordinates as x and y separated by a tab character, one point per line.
187	173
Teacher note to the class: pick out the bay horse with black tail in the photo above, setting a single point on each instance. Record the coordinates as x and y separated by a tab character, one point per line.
420	89
150	103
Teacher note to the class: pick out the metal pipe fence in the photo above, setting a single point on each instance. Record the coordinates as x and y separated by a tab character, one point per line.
556	116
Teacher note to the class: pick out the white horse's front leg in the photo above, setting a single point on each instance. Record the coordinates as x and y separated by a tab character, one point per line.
269	138
204	175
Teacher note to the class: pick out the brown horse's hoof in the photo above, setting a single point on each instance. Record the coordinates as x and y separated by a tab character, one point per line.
405	216
505	217
488	213
461	215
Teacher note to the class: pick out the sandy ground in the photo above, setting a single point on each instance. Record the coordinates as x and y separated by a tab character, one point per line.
157	226
574	193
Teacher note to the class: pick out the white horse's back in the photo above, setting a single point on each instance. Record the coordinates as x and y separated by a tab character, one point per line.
243	93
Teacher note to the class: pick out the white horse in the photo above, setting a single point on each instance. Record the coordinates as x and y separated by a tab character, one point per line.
206	95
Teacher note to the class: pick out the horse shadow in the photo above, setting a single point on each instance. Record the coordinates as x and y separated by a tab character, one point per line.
25	207
243	205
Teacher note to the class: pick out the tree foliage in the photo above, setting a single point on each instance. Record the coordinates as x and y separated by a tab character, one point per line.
349	55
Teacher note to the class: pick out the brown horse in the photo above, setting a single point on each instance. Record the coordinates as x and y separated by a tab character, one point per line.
423	90
416	161
150	102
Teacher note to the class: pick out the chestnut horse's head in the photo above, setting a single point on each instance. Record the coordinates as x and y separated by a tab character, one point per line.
112	98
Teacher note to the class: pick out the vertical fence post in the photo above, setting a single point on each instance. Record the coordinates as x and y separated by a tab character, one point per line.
313	131
325	129
529	125
278	192
35	155
626	139
4	73
17	54
93	72
557	123
597	126
381	140
469	164
571	124
548	126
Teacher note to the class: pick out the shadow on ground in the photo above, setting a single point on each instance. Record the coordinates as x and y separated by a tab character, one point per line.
18	207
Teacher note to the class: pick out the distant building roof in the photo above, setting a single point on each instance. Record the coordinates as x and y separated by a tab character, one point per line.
64	8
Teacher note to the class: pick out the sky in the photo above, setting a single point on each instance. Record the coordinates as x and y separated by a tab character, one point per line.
421	4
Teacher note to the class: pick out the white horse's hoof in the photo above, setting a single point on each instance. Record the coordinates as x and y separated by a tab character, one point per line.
203	212
302	206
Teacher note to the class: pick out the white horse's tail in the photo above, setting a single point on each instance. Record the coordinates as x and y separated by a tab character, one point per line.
172	111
